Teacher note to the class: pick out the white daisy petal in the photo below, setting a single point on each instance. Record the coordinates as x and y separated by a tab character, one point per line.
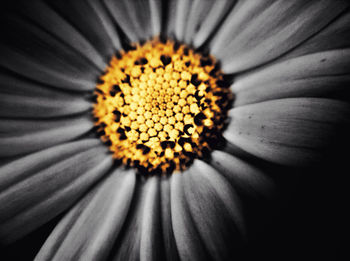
338	31
17	85
209	15
156	15
20	169
46	71
89	229
188	241
140	238
34	53
133	17
56	24
82	16
60	131
106	22
322	74
178	15
242	175
127	245
215	209
150	245
36	195
170	250
16	127
196	14
260	31
18	106
294	131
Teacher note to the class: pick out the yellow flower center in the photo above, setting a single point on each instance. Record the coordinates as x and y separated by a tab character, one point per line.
160	105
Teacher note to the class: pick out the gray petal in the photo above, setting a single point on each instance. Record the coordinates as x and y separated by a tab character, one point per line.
293	132
188	241
171	252
31	201
89	229
257	32
321	74
215	209
242	175
19	143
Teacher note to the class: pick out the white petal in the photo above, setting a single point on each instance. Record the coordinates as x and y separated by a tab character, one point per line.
323	74
82	16
36	197
334	36
170	250
295	131
140	238
178	15
106	21
209	17
156	16
242	175
151	244
18	106
134	17
259	31
127	246
22	168
89	229
21	86
32	52
188	241
215	209
15	127
19	143
47	17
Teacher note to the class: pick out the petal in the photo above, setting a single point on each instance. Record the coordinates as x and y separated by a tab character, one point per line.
338	31
22	168
15	127
257	32
178	15
215	209
11	83
19	143
89	229
34	53
207	16
188	241
323	74
196	15
150	245
294	132
134	17
36	197
140	238
19	106
82	16
106	21
156	16
242	175
170	250
62	28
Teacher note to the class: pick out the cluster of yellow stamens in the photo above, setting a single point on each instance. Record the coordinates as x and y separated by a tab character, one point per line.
160	105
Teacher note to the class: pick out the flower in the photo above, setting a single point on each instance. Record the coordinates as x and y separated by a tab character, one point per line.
290	102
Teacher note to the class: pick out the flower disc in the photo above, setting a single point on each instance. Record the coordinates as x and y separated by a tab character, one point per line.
161	104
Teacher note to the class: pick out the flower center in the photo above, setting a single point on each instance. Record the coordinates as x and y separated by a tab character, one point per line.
160	105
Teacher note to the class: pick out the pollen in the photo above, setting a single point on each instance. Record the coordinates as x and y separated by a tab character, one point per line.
160	104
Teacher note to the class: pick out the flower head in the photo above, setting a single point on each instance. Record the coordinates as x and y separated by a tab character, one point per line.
142	123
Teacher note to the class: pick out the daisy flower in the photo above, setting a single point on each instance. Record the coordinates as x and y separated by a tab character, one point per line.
139	125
